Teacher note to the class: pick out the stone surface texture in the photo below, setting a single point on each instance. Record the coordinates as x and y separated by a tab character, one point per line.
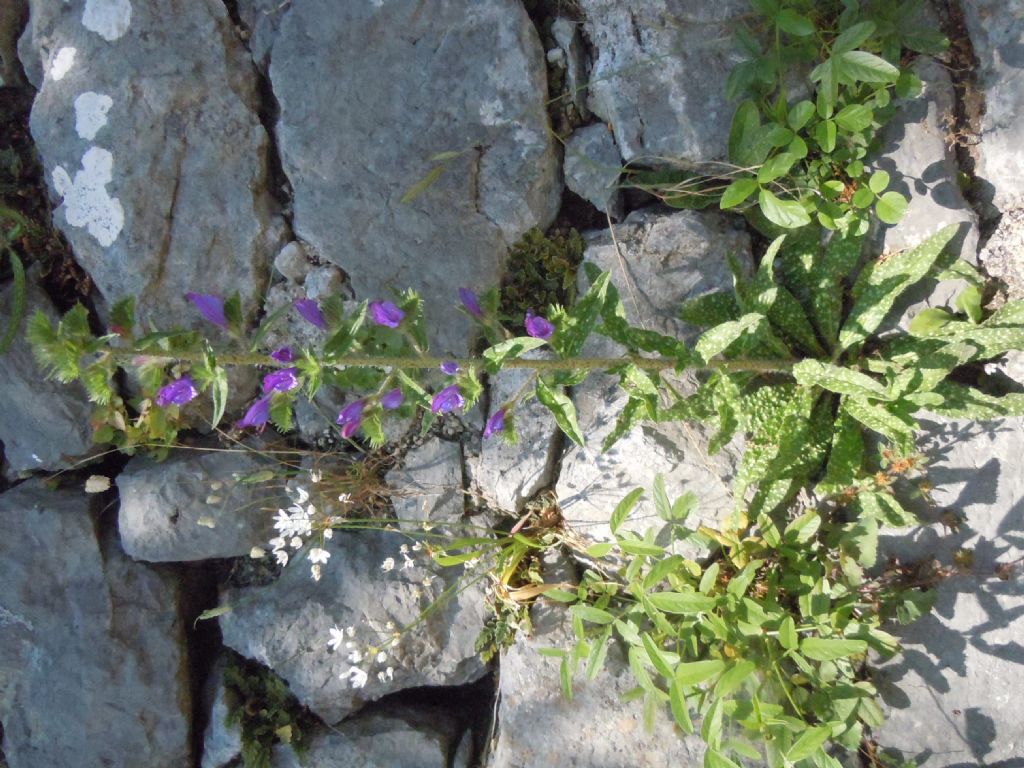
1003	254
44	424
286	625
540	728
996	29
458	79
221	743
428	486
592	168
197	505
92	657
659	74
665	259
149	135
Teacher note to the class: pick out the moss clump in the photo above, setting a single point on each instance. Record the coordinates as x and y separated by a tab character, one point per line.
267	712
541	271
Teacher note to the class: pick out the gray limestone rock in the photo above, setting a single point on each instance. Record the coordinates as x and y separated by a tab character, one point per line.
291	262
508	475
922	166
963	665
659	74
457	79
198	505
286	625
538	727
665	259
45	424
92	647
1003	254
221	743
592	168
392	736
149	136
574	58
428	486
996	28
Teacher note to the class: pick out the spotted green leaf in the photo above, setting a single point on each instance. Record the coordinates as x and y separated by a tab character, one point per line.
720	338
844	381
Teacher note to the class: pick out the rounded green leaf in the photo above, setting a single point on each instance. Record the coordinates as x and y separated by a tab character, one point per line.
890	207
878	182
737	192
788	214
794	23
800	113
863	197
775	167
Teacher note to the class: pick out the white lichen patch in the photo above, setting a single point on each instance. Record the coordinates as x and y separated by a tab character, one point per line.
91	113
62	62
86	200
492	112
107	18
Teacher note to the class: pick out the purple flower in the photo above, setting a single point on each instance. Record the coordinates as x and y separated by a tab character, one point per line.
495	424
310	312
471	303
283	380
448	399
391	400
537	326
210	307
450	367
283	355
258	413
178	392
386	313
351	417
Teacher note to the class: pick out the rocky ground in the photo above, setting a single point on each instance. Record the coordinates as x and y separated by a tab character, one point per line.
265	147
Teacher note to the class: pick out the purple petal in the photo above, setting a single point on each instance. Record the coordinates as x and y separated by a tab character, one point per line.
496	423
283	380
448	399
391	400
537	326
450	367
178	392
310	312
258	413
209	306
353	412
386	313
471	303
351	428
283	355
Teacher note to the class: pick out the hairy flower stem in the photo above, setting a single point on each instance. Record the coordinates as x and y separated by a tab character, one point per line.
424	362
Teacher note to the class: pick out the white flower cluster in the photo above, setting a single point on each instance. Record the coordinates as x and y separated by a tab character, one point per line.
296	524
357	676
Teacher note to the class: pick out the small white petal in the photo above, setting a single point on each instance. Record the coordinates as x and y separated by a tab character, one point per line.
257	552
97	484
388	564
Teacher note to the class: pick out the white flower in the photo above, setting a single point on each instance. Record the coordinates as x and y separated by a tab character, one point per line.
356	677
387	674
316	571
428	580
282	556
256	553
318	555
409	563
404	549
337	638
283	522
315	475
213	499
296	542
97	484
328	533
390	626
417	546
355	657
277	543
301	495
388	564
382	657
345	498
350	631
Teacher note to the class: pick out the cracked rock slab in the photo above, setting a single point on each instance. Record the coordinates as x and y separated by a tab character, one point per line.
152	147
665	259
92	649
195	506
468	81
659	74
286	625
592	168
428	486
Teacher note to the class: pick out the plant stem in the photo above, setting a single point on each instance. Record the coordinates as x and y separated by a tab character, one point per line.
425	362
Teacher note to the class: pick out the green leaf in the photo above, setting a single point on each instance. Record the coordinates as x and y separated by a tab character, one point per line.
969	302
715	759
695	672
882	282
890	207
510	349
579	321
218	393
422	185
774	167
657	657
847	455
787	634
853	37
600	549
825	135
834	378
624	507
744	136
962	402
212	613
800	114
878	182
861	66
830	649
788	214
738	191
734	677
879	419
661	502
680	709
265	327
854	118
563	409
930	322
682	602
808	743
794	23
710	309
591	614
720	338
